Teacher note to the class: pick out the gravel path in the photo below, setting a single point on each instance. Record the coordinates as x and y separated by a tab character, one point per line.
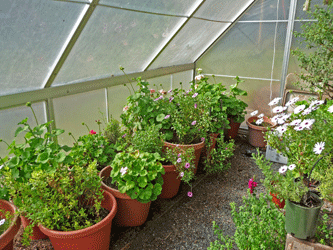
183	222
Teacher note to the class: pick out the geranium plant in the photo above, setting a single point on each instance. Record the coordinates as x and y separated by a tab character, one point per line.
138	174
93	146
305	137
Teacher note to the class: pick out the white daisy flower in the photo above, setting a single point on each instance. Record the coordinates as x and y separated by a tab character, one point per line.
254	113
123	171
299	128
2	222
281	129
283	169
286	117
279	109
319	147
307	123
275	118
259	121
280	121
307	111
261	116
274	101
292	167
299	108
296	122
330	109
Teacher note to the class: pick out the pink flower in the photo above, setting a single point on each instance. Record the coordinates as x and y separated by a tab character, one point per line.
170	99
195	95
167	116
152	91
181	174
189	194
202	139
252	184
195	105
187	165
125	108
179	154
193	123
92	132
124	135
179	160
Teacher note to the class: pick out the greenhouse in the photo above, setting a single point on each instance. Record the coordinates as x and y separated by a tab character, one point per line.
171	124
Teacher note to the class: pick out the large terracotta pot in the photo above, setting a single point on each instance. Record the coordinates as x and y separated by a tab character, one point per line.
233	130
36	233
256	133
96	237
131	212
171	182
6	239
197	150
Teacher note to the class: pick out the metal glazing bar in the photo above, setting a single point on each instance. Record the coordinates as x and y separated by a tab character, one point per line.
245	77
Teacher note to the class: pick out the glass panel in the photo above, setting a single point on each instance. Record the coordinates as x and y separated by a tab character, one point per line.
247	50
9	118
174	7
300	14
183	77
222	10
71	111
32	35
189	43
267	10
114	37
258	94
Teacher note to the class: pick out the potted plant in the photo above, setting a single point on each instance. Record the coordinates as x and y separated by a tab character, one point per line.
9	224
305	137
95	146
135	180
69	206
40	151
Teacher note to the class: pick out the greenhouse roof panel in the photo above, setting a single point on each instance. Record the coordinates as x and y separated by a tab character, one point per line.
115	37
32	36
172	7
191	41
222	10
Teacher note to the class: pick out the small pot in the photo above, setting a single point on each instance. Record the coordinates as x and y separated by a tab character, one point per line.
171	182
256	133
233	130
131	213
95	237
6	239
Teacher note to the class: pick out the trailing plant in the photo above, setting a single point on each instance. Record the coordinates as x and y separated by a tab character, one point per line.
217	160
91	147
138	174
317	65
5	220
65	200
259	225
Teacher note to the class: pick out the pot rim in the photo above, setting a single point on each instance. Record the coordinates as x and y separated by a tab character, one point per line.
266	119
14	226
309	208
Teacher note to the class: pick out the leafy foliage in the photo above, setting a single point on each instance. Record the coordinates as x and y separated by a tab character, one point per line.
6	219
259	225
324	234
318	65
112	131
138	174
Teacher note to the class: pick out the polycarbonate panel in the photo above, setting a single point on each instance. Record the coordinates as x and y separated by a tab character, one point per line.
71	111
160	83
183	77
190	43
300	14
268	10
247	50
219	10
259	94
9	118
114	37
296	43
32	35
173	7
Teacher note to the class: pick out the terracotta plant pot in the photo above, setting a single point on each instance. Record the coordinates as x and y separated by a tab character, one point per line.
256	133
6	239
171	182
96	237
36	233
131	212
233	130
197	150
277	201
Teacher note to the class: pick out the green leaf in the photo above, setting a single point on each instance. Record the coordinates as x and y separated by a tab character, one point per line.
43	158
58	131
157	189
142	180
160	117
66	148
130	185
122	189
13	162
60	157
18	131
146	194
133	193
